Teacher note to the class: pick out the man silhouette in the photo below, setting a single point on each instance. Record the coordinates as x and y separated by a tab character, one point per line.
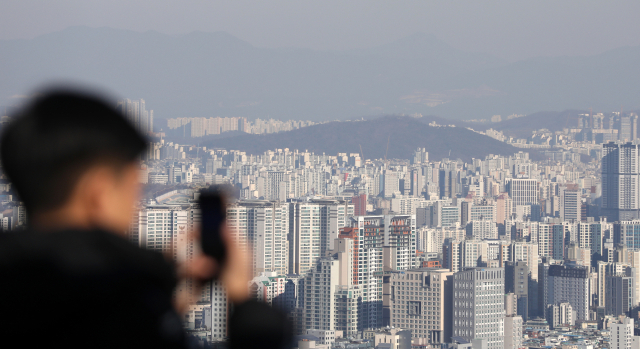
72	278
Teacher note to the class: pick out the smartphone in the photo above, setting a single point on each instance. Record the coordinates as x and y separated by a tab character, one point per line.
213	206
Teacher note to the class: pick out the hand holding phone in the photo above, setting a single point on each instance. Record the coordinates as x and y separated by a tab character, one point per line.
213	206
232	263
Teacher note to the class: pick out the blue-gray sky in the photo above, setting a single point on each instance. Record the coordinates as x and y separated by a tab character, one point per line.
512	30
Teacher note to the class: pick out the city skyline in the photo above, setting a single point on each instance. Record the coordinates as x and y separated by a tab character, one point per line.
382	238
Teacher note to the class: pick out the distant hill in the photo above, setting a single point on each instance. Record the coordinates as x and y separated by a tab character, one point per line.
176	136
523	126
404	134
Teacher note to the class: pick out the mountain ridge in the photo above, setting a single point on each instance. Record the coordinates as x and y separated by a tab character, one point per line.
404	134
202	74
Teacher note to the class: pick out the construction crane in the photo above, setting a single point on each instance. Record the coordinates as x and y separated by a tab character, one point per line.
387	152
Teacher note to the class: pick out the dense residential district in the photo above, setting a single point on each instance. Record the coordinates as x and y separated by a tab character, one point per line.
499	252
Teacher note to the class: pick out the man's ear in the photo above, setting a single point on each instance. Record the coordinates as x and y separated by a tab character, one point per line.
93	190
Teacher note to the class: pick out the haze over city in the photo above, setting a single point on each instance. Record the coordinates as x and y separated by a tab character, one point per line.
330	60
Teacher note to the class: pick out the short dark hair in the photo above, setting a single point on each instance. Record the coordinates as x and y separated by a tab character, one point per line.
56	138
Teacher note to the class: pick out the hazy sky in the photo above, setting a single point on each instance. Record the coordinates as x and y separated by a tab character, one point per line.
508	29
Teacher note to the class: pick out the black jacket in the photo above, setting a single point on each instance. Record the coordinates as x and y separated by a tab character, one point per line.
89	289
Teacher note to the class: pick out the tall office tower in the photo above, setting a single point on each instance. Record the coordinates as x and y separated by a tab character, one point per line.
417	182
150	121
543	289
448	180
513	335
517	281
627	233
465	213
478	305
560	314
419	300
448	216
620	176
630	257
570	284
313	227
620	294
570	203
264	226
621	335
359	205
523	191
391	183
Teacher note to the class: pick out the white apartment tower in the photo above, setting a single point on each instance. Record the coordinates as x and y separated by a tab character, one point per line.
382	243
561	314
313	227
513	332
620	178
331	302
135	111
319	298
622	335
264	225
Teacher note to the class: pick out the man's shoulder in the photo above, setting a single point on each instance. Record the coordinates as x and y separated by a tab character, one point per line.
80	252
89	283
